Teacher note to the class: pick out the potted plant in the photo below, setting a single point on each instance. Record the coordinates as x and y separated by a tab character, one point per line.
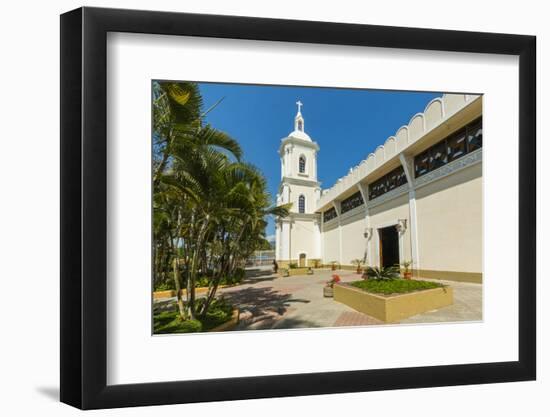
328	289
309	271
358	263
407	273
333	265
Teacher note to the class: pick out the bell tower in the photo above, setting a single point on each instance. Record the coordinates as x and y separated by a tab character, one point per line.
296	235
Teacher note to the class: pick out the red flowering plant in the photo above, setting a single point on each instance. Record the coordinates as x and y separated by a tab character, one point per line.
335	280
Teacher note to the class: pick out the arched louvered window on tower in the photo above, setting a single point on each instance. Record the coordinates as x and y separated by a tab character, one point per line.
302	164
301	204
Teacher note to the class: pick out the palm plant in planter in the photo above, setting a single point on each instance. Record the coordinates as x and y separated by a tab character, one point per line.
328	289
358	263
381	273
407	273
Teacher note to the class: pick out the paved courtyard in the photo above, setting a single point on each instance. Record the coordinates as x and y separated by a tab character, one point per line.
267	301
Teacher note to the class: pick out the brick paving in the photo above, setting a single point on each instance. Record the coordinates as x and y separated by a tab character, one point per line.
267	301
349	318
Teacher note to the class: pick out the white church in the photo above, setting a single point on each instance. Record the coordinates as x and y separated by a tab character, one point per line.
416	198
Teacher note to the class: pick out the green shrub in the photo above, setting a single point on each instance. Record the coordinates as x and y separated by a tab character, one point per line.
239	273
165	286
202	281
236	278
293	265
190	326
218	313
170	322
387	273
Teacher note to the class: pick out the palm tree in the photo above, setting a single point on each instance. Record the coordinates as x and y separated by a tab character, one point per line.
209	206
177	125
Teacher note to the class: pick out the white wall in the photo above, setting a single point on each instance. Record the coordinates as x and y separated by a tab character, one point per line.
353	241
331	242
310	155
308	192
29	212
448	205
303	240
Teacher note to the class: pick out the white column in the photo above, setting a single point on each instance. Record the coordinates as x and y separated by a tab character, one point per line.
277	241
290	239
315	166
336	205
286	194
408	165
401	235
288	163
414	230
376	248
322	239
318	238
364	189
285	240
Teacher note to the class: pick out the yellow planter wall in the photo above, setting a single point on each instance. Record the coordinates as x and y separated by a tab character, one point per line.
394	308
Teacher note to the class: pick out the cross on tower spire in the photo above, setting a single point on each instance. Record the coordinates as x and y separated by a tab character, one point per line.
299	120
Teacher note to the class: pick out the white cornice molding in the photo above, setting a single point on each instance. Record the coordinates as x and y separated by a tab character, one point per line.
296	141
299	181
303	216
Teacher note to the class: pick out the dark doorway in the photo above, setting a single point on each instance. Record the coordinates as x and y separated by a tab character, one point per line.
389	246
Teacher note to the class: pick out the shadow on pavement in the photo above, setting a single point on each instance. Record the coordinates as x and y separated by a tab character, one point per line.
261	308
259	275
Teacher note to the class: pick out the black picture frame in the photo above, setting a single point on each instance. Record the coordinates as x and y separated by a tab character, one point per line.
84	207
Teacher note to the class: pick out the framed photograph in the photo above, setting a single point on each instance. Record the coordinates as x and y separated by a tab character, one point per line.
259	208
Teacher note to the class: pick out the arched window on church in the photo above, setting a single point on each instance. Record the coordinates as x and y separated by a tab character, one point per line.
301	204
302	164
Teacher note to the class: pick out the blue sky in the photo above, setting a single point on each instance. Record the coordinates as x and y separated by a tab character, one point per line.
347	124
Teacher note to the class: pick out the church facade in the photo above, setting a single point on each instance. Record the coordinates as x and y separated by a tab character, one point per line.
417	198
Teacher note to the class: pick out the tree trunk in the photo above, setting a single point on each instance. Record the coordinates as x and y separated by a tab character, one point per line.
164	161
194	262
181	307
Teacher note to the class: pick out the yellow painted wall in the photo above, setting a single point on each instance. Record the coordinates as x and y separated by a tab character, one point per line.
449	213
330	242
353	241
